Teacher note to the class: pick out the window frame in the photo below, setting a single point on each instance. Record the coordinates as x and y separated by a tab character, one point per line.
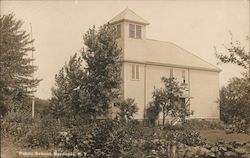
134	29
135	73
138	36
183	75
119	31
183	102
171	73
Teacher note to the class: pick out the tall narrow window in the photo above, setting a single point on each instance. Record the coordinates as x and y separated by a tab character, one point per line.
171	73
138	31
118	29
183	102
132	30
135	71
183	76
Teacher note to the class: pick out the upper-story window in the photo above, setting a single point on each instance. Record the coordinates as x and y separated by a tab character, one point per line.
171	73
135	31
183	75
138	31
135	72
118	30
131	30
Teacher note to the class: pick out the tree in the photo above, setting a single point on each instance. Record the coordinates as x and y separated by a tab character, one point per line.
168	99
127	109
42	106
235	54
16	69
103	69
234	98
87	86
152	113
65	101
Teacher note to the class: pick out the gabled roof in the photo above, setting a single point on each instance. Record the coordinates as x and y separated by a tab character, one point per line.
171	54
154	52
128	15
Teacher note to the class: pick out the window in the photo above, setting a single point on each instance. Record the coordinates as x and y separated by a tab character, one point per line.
118	29
183	76
138	31
135	71
131	30
183	102
135	31
171	73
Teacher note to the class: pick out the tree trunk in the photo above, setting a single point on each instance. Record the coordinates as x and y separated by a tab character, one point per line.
164	116
163	121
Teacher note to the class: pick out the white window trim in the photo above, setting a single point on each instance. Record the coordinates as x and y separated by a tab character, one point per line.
119	33
134	36
130	30
134	72
136	26
183	76
171	72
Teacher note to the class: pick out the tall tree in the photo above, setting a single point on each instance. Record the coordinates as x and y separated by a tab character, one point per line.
16	68
235	54
65	101
103	69
234	98
168	99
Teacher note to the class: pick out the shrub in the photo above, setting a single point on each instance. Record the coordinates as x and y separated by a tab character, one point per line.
43	134
127	109
188	137
15	125
152	113
110	138
235	100
238	126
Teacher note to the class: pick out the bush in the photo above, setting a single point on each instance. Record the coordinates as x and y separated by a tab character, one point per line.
15	125
43	134
110	138
152	113
235	100
238	126
188	137
127	109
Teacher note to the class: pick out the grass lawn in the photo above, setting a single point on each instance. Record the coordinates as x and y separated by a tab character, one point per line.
213	136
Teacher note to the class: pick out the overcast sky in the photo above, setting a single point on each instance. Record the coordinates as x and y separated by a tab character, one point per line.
198	26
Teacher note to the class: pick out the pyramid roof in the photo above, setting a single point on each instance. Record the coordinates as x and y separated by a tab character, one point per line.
128	15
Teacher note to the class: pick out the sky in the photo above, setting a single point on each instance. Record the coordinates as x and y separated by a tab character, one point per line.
196	25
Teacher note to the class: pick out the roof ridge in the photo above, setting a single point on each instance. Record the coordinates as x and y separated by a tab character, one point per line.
185	51
124	15
137	14
118	14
